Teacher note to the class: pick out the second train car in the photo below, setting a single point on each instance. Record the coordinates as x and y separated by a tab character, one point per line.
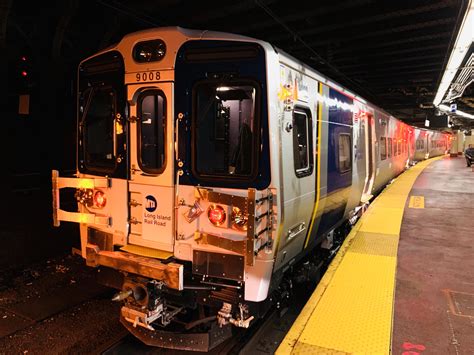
208	164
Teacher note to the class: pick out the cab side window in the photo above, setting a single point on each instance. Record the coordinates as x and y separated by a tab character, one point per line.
383	148
344	153
302	142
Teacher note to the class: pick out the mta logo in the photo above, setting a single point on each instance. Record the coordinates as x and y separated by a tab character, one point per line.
150	204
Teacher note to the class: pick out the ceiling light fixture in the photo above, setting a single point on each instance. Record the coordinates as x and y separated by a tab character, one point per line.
463	42
446	108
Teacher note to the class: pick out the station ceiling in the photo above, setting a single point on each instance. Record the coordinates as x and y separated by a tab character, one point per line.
393	53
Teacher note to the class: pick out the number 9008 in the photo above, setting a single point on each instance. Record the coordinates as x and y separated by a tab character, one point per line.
148	76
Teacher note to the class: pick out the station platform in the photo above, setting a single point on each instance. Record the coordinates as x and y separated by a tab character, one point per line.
403	281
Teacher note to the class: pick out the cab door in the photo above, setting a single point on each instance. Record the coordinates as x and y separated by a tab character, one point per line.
298	184
151	183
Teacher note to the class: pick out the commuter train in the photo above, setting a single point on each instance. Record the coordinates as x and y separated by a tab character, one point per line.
208	165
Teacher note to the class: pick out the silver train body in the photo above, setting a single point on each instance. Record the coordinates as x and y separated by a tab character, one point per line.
208	164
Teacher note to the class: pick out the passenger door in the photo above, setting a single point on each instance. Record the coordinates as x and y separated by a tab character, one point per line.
370	156
298	172
151	184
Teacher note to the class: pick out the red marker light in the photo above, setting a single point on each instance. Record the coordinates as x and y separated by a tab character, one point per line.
99	199
216	215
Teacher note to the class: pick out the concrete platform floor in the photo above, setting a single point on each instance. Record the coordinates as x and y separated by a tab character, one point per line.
434	295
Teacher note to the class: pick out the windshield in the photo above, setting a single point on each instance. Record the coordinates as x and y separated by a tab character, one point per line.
102	136
225	129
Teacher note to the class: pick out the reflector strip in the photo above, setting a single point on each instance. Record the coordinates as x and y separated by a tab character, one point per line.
83	218
318	169
82	183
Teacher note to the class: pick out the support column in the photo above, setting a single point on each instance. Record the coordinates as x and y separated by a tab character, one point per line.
454	145
460	142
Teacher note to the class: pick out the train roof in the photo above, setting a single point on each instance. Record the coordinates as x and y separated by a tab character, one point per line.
197	34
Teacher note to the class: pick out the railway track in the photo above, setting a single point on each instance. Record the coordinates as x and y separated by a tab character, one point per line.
62	297
75	305
49	304
263	337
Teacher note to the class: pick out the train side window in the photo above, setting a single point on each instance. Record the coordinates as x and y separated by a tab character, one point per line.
302	142
98	129
151	131
389	147
344	161
420	144
383	148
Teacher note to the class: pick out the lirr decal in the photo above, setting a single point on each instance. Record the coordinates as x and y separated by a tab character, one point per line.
152	218
150	204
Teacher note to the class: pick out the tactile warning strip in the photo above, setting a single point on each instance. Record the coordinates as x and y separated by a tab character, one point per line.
375	244
351	309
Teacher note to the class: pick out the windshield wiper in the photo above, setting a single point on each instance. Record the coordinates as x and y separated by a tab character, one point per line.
88	103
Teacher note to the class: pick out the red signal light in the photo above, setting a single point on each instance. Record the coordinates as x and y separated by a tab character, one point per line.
216	215
24	73
99	199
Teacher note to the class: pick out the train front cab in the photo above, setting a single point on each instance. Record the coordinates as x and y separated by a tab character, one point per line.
207	167
173	182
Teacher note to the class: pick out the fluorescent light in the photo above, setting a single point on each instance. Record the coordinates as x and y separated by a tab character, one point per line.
447	109
461	46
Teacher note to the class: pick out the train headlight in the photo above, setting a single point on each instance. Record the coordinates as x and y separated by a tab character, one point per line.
84	196
99	199
239	219
149	51
216	215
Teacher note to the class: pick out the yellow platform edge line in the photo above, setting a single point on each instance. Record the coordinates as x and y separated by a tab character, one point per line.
407	180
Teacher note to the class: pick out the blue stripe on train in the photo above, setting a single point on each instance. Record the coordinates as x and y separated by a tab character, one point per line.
338	184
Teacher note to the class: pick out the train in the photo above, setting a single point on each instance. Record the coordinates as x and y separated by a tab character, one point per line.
209	164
